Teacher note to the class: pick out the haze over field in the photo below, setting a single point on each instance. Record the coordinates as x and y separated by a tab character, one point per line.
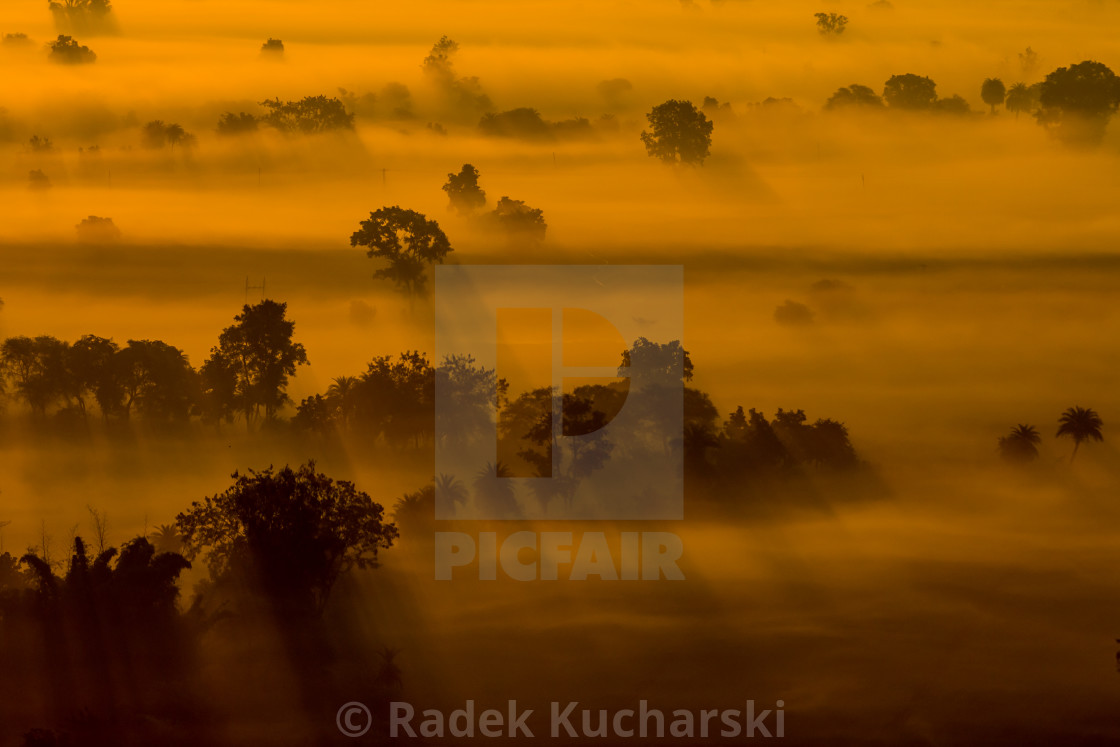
930	279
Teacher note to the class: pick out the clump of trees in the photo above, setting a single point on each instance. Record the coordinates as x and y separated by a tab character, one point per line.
158	134
464	94
67	51
528	124
993	92
463	192
679	133
97	230
518	221
289	533
1080	424
854	96
237	124
1078	101
308	116
273	49
37	180
831	24
246	375
16	40
85	16
409	241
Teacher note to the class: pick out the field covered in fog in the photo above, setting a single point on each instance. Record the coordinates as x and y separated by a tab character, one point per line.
930	278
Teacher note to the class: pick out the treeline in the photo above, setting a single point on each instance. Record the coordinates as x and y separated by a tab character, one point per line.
97	649
245	376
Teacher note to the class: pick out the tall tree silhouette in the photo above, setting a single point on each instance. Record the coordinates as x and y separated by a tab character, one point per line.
293	532
679	132
260	350
463	191
993	92
1080	424
1021	444
408	240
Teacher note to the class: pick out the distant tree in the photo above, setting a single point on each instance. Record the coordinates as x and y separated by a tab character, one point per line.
519	221
273	48
395	399
408	240
40	144
522	122
157	380
158	134
854	95
1080	100
1080	424
293	532
831	24
66	51
237	124
219	398
37	180
1028	61
310	115
91	365
909	91
18	39
952	105
81	15
679	132
993	92
465	94
792	313
36	370
95	229
259	350
1021	445
415	511
615	91
1019	99
463	191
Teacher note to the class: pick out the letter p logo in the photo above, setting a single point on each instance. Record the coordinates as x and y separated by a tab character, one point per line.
559	392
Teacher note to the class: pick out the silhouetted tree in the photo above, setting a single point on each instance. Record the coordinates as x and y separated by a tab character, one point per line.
463	191
831	24
293	532
66	51
1020	445
157	380
40	144
95	229
678	132
854	95
493	492
81	15
408	240
1019	99
952	105
909	91
37	180
1079	100
237	124
219	397
17	39
259	350
519	221
273	48
36	369
308	116
522	122
993	92
465	94
1080	424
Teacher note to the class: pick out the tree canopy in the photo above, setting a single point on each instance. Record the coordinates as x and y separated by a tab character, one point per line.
679	132
408	240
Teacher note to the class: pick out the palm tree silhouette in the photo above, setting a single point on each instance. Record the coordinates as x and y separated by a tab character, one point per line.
1081	424
343	393
1021	445
493	492
450	491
